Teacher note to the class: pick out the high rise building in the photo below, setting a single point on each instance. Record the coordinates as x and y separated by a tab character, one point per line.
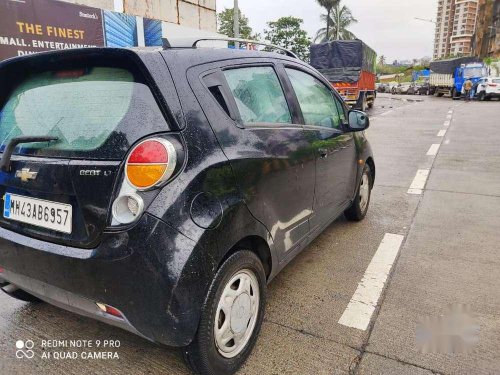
455	26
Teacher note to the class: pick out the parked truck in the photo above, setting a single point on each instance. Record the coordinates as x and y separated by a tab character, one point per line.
448	76
350	67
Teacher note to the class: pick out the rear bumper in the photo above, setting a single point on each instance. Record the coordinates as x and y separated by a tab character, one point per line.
146	273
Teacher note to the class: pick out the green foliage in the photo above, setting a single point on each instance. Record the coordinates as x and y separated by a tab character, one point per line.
286	32
338	19
226	18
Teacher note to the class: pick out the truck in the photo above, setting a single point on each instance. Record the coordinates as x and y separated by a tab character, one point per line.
448	76
349	65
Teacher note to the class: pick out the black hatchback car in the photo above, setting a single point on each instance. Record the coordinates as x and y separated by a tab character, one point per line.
160	190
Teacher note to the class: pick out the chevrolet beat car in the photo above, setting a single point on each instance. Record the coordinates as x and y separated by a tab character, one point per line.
160	190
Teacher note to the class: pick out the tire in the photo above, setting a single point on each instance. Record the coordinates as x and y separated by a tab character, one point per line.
358	209
481	96
370	105
363	104
453	94
19	294
204	355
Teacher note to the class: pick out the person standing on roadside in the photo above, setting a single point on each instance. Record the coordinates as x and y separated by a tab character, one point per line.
467	87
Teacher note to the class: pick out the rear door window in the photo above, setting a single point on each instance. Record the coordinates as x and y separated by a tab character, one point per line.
95	112
258	95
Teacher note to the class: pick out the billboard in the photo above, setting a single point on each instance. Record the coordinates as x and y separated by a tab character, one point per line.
30	26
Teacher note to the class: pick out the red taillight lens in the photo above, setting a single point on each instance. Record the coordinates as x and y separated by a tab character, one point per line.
1	269
150	163
492	84
109	310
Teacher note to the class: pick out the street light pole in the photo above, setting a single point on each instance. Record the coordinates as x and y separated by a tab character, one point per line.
236	23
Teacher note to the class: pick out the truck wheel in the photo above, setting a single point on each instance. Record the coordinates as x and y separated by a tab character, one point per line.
453	94
363	104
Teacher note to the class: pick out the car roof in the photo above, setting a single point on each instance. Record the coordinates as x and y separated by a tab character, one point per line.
205	55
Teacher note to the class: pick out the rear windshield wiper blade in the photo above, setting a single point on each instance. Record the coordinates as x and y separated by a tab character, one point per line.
9	149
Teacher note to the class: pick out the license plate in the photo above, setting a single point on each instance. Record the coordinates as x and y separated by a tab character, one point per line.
39	212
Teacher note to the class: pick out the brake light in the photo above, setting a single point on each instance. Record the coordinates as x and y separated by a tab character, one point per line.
1	269
492	84
150	163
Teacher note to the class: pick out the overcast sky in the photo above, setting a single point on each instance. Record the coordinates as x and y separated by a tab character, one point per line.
388	26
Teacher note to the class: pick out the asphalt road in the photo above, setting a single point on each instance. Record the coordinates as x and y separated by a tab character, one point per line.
446	252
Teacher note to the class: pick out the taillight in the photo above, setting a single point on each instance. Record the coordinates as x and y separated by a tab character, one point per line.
492	84
150	163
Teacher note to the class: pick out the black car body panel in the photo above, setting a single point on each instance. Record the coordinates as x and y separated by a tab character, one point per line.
263	187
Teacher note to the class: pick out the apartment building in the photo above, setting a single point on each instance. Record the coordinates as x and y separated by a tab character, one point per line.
455	26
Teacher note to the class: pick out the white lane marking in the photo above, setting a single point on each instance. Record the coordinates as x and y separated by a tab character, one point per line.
360	309
386	113
448	117
441	133
418	182
450	111
433	150
447	142
446	123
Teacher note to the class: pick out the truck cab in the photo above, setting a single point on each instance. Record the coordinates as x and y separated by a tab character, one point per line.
474	72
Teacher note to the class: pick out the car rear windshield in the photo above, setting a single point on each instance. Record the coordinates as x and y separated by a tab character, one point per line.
94	112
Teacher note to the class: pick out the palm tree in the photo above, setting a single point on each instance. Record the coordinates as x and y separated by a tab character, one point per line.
340	19
328	5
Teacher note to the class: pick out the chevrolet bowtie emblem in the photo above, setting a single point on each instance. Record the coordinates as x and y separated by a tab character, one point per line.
25	174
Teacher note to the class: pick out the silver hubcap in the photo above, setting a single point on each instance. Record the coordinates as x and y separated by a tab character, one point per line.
364	192
236	313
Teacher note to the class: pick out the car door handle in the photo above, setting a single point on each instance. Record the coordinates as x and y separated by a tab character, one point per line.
323	152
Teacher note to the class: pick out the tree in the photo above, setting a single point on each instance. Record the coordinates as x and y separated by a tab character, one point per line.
381	60
226	18
328	5
340	19
286	32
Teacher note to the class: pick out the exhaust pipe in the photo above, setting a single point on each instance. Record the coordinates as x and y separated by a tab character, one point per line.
9	288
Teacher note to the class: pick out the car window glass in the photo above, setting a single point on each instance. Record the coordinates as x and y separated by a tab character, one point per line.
340	109
258	95
315	99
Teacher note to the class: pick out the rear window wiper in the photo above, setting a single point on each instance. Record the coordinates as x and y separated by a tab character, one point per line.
9	149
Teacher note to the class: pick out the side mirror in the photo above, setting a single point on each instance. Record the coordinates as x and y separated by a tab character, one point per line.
358	121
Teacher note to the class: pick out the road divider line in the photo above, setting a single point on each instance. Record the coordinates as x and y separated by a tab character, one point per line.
450	111
433	149
419	181
359	311
386	113
441	133
448	117
446	123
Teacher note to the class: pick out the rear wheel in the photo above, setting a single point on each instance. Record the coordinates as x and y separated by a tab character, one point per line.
359	207
15	292
231	317
364	104
481	96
